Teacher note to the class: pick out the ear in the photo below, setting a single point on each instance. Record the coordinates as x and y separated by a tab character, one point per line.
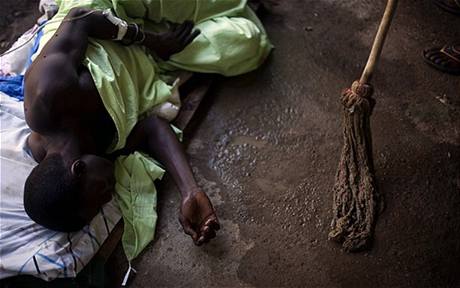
78	168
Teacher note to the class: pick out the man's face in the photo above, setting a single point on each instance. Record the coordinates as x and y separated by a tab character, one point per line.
97	184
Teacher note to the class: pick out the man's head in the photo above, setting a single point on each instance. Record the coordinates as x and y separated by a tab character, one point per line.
66	197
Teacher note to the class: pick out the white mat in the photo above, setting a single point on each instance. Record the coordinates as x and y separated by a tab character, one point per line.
26	247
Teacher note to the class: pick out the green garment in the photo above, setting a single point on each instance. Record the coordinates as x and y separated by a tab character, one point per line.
137	198
232	39
131	82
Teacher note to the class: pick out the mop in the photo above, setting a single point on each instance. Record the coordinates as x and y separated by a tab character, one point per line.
356	202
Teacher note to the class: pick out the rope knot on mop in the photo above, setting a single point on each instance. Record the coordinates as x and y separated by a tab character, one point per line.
358	95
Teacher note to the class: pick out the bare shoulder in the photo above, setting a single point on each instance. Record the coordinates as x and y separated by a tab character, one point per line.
48	84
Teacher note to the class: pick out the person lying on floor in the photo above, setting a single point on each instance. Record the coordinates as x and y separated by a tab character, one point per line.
88	99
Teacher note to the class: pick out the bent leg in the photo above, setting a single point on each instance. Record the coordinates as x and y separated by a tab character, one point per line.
227	46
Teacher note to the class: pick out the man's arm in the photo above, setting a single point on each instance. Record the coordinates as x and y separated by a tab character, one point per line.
64	52
154	136
56	70
55	73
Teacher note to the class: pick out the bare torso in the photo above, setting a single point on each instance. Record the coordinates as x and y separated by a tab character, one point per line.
78	108
55	102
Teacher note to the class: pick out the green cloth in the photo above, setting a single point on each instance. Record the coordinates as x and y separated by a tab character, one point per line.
232	39
130	81
137	199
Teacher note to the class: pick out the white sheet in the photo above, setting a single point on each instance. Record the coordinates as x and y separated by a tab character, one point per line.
26	247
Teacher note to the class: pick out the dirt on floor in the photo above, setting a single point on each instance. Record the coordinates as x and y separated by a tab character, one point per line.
267	145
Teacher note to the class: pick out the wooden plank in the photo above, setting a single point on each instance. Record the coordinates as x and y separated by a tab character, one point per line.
111	242
191	103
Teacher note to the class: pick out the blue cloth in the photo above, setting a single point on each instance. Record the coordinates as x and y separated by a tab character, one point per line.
13	86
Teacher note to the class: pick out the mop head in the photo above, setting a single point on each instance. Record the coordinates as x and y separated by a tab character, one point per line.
356	200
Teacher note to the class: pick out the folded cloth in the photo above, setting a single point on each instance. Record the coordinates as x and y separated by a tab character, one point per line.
131	83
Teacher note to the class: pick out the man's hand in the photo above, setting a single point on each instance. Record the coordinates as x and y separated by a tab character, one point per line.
171	42
198	218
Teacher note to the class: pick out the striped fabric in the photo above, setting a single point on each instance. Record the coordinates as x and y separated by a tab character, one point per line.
26	247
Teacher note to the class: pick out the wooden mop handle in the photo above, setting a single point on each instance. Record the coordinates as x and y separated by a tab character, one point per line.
379	41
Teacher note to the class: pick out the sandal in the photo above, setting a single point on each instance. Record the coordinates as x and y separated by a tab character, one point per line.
445	59
452	6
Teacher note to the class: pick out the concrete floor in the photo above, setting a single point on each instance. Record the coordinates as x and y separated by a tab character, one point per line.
267	147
